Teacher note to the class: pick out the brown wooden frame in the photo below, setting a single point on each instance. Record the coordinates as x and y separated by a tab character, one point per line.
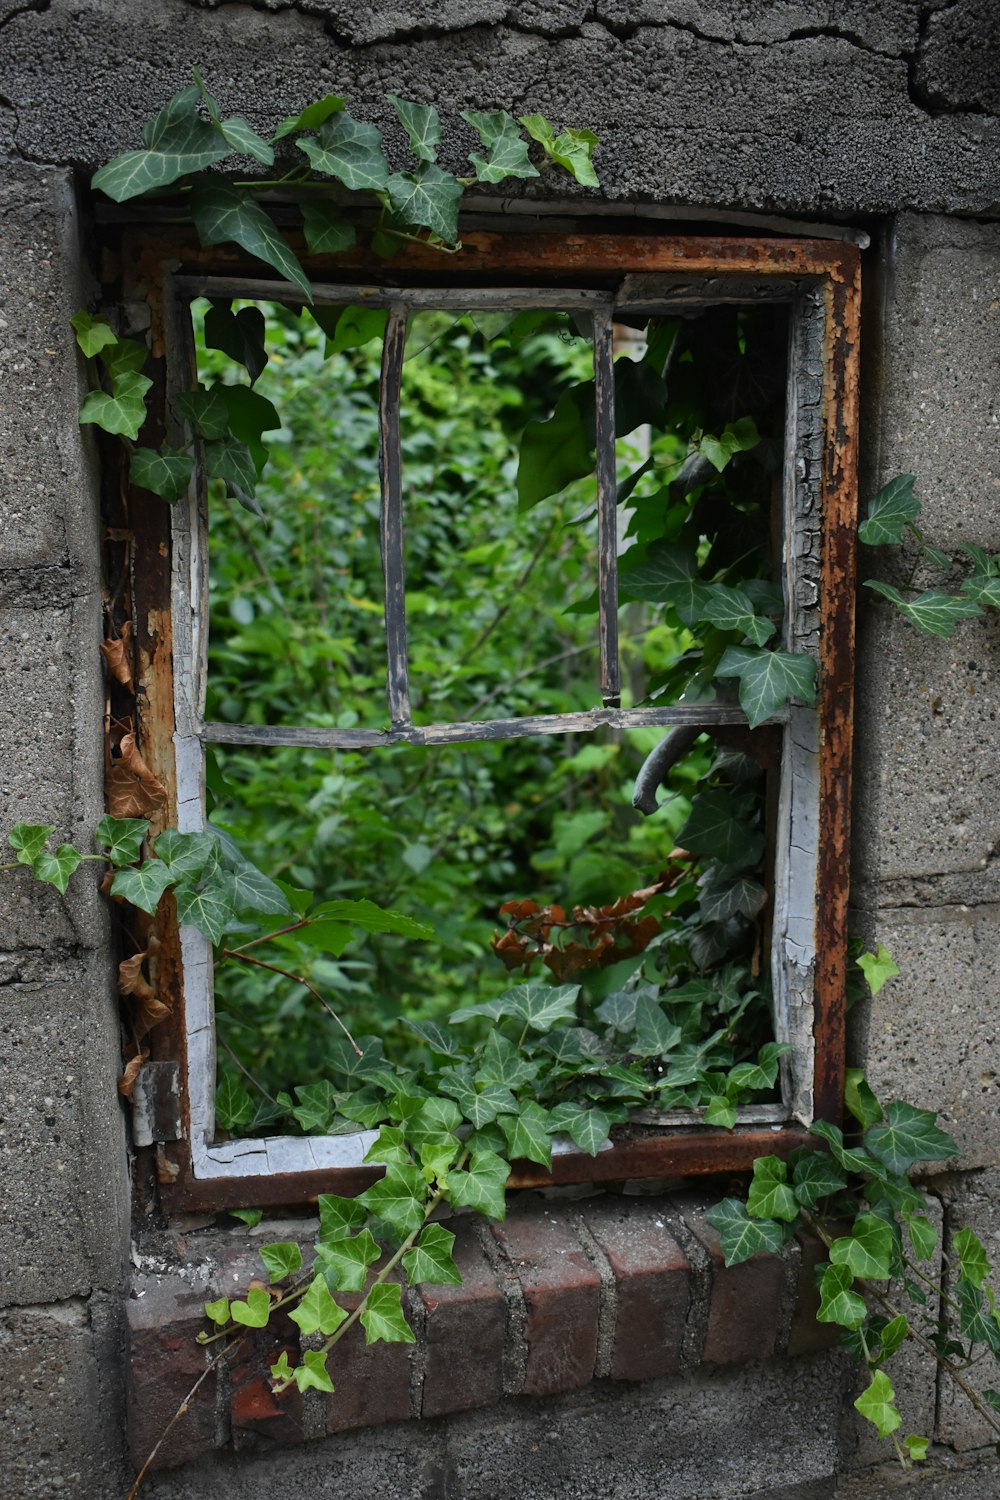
161	269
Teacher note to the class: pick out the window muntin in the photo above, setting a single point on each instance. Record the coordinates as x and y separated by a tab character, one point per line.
817	282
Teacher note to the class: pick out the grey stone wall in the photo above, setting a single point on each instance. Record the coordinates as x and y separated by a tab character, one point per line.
883	112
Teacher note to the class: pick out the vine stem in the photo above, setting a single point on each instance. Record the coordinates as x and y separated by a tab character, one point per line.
258	963
180	1412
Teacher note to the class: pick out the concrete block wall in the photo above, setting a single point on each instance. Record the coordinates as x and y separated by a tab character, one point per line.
879	112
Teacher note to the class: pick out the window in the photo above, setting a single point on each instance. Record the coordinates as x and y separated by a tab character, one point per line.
808	290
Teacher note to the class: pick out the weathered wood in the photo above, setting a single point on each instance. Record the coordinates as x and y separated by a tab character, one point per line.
607	519
335	294
397	684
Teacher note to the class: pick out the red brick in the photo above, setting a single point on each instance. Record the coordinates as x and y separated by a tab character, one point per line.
464	1334
561	1293
164	1363
652	1286
806	1335
259	1417
371	1381
745	1301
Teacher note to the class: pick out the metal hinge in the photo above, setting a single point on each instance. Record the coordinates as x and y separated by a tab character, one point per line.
156	1103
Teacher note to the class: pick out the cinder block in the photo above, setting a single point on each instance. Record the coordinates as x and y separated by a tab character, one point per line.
972	1202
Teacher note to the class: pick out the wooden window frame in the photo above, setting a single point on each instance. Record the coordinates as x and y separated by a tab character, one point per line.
158	273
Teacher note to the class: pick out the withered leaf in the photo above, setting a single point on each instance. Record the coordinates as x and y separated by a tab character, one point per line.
132	789
147	1014
118	656
131	979
126	1082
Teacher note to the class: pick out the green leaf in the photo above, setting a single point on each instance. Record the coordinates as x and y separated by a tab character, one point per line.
975	1319
312	117
125	355
732	609
768	679
317	1312
482	1186
382	1316
587	1128
282	1259
715	827
247	415
239	334
737	437
993	1397
527	1134
876	1403
427	199
206	411
479	1106
555	452
92	334
973	1265
655	1033
350	327
389	1148
312	1373
398	1199
878	968
255	1311
443	1042
218	1312
742	898
770	1196
234	1106
501	1063
349	151
889	512
326	230
911	1135
339	1216
916	1447
241	136
187	854
858	1097
178	141
838	1304
932	612
316	1107
742	1236
759	1075
121	838
507	150
572	149
143	887
230	460
431	1259
371	918
29	839
892	1336
923	1236
166	472
541	1006
814	1177
250	1216
223	213
209	910
124	411
984	590
867	1250
422	124
344	1261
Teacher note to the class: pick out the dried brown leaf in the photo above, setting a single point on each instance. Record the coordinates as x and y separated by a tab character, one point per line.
118	656
131	979
126	1082
147	1014
132	789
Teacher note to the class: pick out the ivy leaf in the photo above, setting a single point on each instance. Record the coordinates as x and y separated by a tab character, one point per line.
479	1106
338	1216
571	149
92	334
911	1135
166	472
241	136
732	609
916	1447
720	1111
542	1006
506	147
317	1312
655	1033
482	1186
252	891
389	1148
316	1107
587	1128
892	1336
29	839
737	437
714	827
230	460
437	1117
923	1236
555	452
234	1106
223	213
206	411
56	869
282	1259
501	1063
187	854
973	1265
889	511
527	1134
326	230
126	354
743	898
837	1303
255	1311
932	612
770	1196
427	199
768	679
345	1261
876	1403
239	334
372	918
983	590
858	1096
209	910
975	1321
431	1259
178	141
349	151
867	1250
422	124
740	1235
814	1177
312	1374
247	415
124	411
398	1199
443	1042
382	1316
218	1312
249	1216
121	838
143	887
312	117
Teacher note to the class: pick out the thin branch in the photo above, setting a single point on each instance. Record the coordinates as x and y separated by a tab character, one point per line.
258	963
180	1412
245	1071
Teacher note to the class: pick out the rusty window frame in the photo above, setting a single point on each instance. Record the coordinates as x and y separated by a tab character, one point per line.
819	280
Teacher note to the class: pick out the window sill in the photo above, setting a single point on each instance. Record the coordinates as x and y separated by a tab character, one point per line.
567	1291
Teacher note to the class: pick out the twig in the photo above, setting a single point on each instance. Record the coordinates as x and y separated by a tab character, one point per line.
180	1412
258	963
245	1071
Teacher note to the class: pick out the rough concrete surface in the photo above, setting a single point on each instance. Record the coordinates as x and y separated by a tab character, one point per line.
944	1476
973	1202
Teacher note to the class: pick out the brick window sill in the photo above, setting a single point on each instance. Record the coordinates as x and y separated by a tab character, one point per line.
565	1292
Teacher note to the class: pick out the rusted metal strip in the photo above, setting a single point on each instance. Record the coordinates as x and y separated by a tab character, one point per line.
397	686
701	714
607	528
